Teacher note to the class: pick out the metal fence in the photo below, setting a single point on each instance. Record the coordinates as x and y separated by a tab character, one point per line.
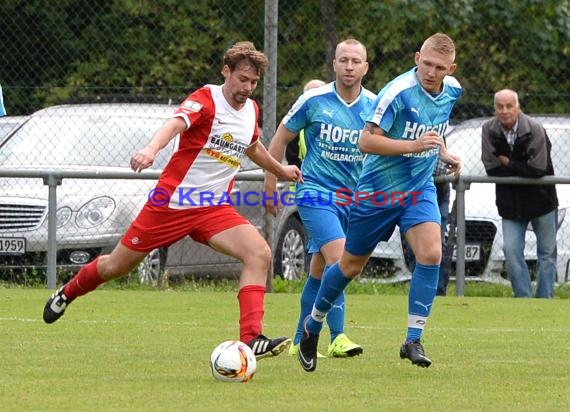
139	53
472	247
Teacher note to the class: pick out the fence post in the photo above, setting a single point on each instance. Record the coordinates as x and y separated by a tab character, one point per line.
270	104
52	181
460	188
270	78
268	234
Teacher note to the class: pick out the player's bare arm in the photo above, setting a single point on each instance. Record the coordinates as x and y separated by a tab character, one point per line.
276	149
261	157
145	157
374	141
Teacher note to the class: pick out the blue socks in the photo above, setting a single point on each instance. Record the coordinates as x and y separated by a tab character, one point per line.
308	296
422	293
335	318
423	288
331	290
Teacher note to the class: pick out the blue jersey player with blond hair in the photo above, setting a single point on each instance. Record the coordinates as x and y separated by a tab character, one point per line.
332	119
402	139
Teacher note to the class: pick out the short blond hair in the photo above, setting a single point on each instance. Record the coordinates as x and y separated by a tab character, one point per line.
441	43
353	42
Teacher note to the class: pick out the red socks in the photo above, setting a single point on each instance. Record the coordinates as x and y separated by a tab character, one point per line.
250	299
84	282
251	311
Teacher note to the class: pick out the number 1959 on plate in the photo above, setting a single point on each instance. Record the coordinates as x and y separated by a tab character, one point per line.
12	245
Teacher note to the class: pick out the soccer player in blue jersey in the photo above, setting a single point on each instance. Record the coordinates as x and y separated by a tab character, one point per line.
332	119
2	109
402	138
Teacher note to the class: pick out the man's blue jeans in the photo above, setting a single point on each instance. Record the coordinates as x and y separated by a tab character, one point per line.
544	228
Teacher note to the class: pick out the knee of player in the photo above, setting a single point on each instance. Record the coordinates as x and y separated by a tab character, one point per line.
261	254
428	253
432	256
351	268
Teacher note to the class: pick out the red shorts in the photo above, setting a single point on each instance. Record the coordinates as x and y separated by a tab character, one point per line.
161	227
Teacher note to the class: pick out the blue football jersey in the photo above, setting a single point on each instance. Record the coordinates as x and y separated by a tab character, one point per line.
332	128
405	110
2	109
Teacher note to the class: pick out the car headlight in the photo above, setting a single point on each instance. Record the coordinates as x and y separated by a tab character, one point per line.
95	212
62	216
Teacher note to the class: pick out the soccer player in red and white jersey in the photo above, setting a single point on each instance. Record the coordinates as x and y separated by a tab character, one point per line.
218	126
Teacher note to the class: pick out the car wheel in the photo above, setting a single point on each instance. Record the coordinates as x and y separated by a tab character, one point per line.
152	267
289	261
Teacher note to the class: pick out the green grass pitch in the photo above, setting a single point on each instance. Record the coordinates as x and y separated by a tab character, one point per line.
125	350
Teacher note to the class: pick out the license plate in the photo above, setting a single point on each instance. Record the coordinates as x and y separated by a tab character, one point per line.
12	245
472	253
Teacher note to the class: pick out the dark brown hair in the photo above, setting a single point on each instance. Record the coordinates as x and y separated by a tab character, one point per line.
245	50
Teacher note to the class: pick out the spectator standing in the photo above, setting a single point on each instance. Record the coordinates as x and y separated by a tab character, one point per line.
514	144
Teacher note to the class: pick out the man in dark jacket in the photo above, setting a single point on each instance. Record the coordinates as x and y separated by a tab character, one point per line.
514	144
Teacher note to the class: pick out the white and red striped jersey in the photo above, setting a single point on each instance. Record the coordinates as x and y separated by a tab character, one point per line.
209	152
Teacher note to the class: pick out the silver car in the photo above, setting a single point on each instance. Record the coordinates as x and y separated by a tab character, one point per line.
9	124
92	214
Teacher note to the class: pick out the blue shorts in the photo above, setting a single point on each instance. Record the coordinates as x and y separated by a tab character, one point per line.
324	223
370	224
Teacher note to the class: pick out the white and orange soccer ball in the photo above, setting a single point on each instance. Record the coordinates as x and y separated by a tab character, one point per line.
233	361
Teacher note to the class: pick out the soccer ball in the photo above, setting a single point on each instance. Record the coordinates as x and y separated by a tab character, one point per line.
233	361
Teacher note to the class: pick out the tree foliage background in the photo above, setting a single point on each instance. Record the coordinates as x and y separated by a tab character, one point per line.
56	51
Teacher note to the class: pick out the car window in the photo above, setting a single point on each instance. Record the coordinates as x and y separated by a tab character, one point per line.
81	140
9	123
5	128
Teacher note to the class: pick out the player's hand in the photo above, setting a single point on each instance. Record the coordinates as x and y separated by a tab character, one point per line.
270	189
452	162
292	173
270	206
428	140
142	159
